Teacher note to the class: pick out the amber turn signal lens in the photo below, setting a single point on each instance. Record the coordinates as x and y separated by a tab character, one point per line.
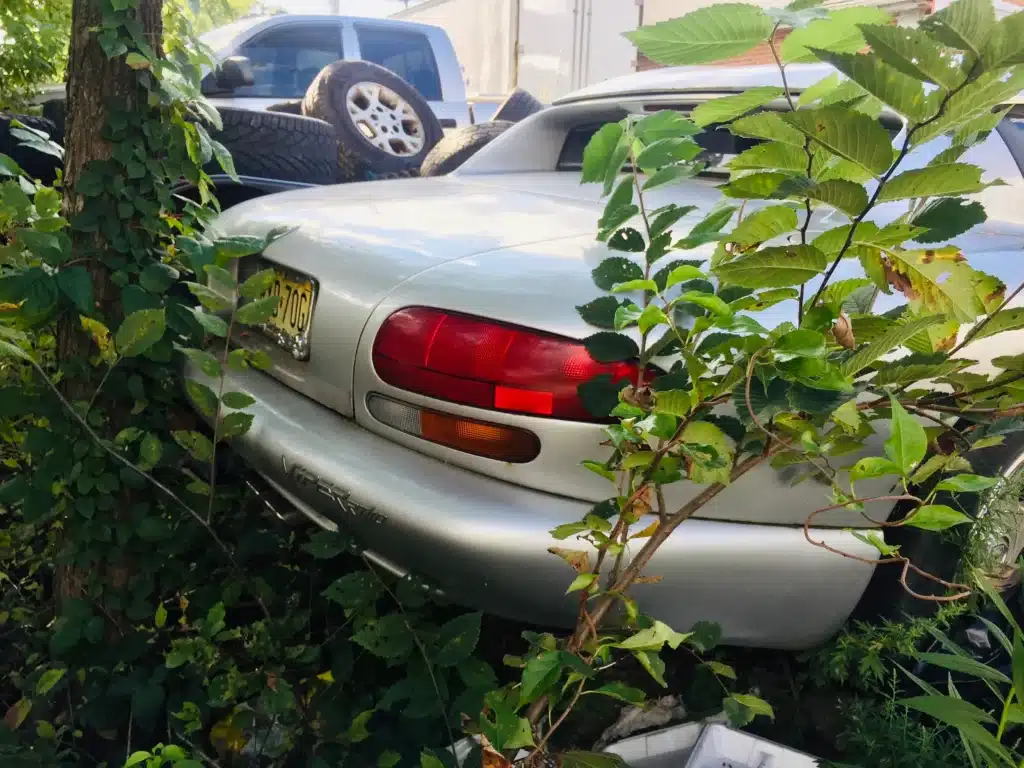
480	438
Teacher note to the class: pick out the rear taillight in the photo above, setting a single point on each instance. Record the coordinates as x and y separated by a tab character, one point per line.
488	365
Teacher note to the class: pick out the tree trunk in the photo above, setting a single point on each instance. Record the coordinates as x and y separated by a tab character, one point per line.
94	83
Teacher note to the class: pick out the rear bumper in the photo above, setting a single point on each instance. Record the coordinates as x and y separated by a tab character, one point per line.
484	542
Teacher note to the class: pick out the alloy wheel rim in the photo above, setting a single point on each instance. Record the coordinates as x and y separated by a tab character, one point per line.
385	119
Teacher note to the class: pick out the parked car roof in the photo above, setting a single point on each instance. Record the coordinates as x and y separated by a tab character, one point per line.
708	79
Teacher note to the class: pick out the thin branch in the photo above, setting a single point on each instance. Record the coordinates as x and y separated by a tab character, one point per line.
964	590
904	150
971	334
419	645
156	483
555	725
216	418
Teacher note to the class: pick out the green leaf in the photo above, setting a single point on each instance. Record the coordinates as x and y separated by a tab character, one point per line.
948	218
934	181
666	217
601	311
598	152
664	124
818	90
974	101
1017	662
608	347
799	343
873	466
914	53
198	445
582	581
138	61
654	665
207	363
234	424
666	152
76	284
886	343
48	679
211	299
456	640
704	433
1004	320
388	637
238	246
771	155
774	267
237	400
257	311
769	126
669	174
907	443
258	284
202	397
428	760
754	704
151	449
140	331
708	301
720	669
621	691
539	675
10	168
627	239
707	34
761	186
964	24
936	517
965	664
654	638
900	91
846	196
615	270
849	134
1005	46
839	32
966	483
948	710
728	108
763	225
580	759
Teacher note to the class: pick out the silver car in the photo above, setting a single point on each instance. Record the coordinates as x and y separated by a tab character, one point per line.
426	365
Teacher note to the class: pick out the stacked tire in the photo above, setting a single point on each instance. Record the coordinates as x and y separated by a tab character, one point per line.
385	127
461	144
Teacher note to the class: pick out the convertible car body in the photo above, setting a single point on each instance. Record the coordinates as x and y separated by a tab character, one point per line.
426	363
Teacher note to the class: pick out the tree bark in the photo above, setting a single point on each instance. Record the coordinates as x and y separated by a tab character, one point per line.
95	82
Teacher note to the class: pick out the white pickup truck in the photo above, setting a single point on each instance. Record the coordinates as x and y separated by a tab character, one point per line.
287	51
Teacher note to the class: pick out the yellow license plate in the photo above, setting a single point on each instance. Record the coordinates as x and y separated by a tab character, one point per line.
295	306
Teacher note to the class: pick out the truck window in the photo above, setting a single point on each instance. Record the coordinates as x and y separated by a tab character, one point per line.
285	59
407	54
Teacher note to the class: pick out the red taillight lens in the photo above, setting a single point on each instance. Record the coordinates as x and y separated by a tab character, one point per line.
488	365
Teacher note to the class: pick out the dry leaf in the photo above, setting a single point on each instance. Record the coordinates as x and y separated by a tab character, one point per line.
648	579
843	332
647	532
578	559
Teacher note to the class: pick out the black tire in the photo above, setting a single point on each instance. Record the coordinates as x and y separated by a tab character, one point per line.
36	164
937	554
358	157
287	107
518	106
56	111
274	145
460	145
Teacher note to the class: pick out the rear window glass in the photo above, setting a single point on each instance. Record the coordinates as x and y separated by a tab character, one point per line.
407	54
719	145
